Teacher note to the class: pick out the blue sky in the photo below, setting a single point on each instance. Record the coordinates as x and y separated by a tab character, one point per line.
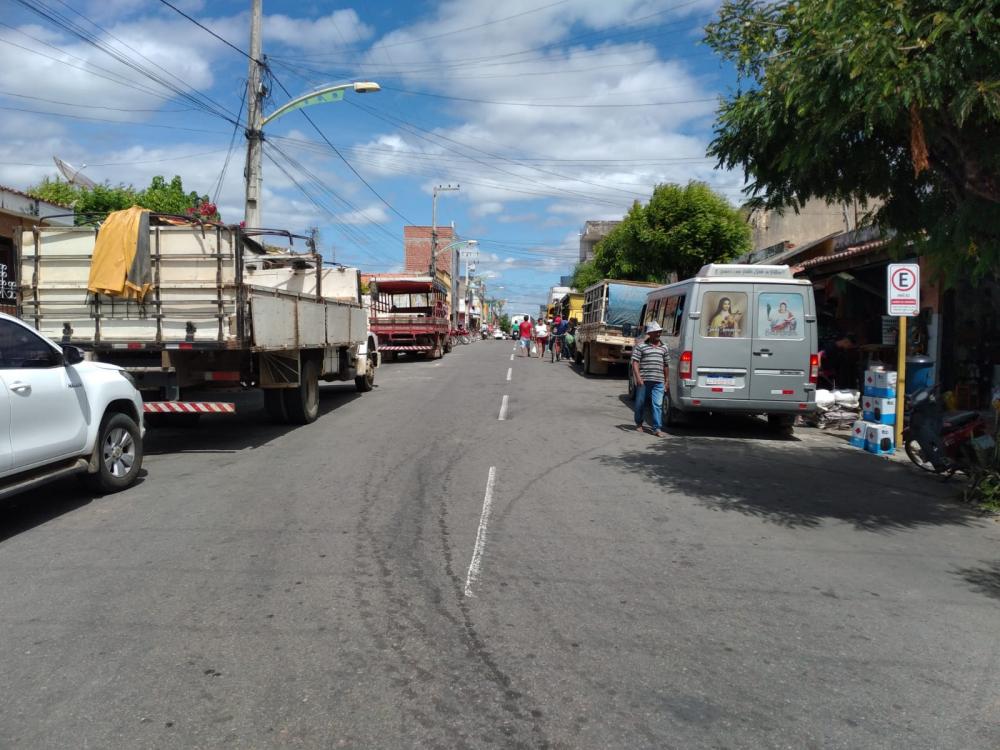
546	113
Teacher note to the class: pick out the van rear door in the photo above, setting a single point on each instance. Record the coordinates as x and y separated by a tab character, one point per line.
783	316
721	342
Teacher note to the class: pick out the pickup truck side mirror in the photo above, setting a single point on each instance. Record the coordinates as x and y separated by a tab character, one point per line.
72	355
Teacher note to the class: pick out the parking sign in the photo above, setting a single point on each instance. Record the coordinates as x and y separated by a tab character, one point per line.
903	289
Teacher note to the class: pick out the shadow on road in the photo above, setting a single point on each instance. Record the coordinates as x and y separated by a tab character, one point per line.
248	428
720	426
985	580
24	512
784	484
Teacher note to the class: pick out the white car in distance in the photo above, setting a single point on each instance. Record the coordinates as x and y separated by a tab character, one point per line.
61	415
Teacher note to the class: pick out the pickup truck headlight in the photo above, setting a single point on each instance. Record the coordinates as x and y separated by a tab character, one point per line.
129	378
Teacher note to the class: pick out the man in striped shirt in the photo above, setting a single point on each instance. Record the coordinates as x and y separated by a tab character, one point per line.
649	372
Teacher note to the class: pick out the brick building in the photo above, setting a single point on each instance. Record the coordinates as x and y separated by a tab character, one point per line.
417	249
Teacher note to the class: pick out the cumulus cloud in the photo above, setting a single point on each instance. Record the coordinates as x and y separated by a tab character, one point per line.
374	214
340	28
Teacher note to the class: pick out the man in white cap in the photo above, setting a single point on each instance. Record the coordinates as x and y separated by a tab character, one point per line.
649	372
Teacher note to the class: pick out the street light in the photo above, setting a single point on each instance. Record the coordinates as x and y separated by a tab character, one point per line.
256	123
322	95
454	277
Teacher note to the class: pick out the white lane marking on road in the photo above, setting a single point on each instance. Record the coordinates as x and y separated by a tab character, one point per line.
512	357
484	518
503	408
509	371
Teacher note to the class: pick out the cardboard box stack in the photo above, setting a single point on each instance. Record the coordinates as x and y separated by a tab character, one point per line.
874	432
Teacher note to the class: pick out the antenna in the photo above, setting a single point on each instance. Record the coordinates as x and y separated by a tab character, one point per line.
73	175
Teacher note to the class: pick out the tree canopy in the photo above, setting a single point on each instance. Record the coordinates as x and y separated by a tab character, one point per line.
161	196
896	101
676	233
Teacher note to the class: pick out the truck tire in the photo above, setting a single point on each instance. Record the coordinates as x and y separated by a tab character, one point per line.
119	454
302	402
366	382
274	405
587	364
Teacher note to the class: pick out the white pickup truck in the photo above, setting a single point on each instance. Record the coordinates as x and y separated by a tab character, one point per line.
63	416
226	312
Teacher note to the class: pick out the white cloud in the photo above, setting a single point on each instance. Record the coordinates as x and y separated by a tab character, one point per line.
374	214
486	208
338	29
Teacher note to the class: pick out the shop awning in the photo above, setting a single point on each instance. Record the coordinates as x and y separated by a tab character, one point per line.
866	248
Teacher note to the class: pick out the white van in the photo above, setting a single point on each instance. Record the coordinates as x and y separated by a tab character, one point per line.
742	340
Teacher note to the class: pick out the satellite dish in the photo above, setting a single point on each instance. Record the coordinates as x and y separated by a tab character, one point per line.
72	174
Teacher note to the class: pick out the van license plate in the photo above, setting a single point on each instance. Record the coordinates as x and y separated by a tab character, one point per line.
720	380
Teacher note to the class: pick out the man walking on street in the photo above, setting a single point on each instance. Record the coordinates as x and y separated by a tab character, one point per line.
649	372
525	331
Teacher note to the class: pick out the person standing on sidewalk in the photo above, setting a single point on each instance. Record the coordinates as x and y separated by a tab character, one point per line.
649	372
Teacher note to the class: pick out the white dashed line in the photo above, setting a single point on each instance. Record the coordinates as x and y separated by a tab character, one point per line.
509	371
503	408
477	551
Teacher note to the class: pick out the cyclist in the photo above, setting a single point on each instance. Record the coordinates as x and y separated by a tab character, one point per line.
559	339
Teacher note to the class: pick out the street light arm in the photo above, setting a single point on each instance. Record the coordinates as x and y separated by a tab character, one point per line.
324	95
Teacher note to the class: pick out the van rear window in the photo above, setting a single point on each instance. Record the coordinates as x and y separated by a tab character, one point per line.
780	316
723	315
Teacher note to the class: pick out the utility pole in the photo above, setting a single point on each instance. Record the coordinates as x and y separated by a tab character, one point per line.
434	245
255	113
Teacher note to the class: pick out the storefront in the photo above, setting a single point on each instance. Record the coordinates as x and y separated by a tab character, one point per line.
958	328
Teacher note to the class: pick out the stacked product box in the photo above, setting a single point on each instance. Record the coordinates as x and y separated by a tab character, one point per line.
874	432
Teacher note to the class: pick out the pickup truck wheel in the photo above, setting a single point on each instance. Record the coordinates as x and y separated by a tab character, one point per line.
119	454
302	402
274	405
366	382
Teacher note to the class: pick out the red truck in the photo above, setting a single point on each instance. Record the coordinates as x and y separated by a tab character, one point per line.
409	314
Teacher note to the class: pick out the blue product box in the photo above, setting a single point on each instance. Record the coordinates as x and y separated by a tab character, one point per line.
879	439
858	432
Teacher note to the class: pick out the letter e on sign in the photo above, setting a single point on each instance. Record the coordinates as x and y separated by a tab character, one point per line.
903	289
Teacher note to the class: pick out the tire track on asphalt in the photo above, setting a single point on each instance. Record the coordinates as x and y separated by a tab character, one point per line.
434	470
512	699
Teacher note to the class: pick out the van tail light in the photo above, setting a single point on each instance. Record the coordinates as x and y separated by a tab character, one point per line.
813	368
686	366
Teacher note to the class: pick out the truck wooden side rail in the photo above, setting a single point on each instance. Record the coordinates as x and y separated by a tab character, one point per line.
611	312
225	313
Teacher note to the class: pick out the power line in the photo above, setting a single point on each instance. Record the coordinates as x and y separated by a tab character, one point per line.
339	154
93	106
200	25
547	103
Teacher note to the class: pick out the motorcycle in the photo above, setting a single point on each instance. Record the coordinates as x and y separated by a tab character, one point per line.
938	443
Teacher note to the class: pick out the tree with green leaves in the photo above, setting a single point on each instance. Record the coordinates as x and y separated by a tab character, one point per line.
895	101
678	231
161	196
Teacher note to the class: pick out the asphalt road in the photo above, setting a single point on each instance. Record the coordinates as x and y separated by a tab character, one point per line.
340	585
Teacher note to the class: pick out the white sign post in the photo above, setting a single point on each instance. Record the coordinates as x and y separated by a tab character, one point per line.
903	291
903	301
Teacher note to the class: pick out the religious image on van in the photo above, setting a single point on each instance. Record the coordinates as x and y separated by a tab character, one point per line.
779	316
725	312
